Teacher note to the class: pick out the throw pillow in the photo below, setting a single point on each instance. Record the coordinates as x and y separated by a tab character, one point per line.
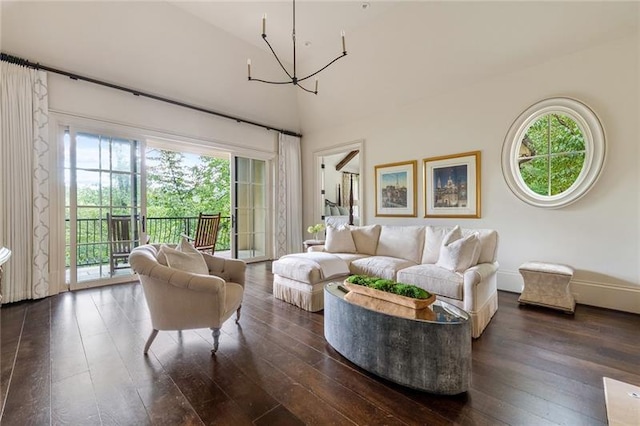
339	240
366	238
185	246
432	243
184	257
457	253
161	257
189	262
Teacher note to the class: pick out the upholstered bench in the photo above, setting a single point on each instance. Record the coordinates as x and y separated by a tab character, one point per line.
547	284
299	279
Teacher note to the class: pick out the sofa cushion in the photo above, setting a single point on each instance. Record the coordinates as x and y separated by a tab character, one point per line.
379	266
339	240
434	279
310	267
405	242
366	238
459	253
432	243
350	257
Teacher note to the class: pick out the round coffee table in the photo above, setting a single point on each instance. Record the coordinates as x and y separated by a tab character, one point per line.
432	355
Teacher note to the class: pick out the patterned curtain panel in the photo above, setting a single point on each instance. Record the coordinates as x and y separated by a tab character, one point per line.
289	213
24	182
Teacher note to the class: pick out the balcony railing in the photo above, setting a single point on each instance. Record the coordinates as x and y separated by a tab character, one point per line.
93	241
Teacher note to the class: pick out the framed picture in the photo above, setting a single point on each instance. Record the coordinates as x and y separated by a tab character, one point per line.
452	186
396	189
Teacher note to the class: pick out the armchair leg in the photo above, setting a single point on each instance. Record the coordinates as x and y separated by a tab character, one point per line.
215	332
238	314
152	336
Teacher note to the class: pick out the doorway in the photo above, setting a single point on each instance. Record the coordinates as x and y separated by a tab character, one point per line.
152	191
104	180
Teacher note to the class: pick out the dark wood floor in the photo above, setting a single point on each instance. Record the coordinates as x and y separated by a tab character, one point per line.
77	359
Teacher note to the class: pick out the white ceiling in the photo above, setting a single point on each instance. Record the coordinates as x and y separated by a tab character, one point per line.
403	51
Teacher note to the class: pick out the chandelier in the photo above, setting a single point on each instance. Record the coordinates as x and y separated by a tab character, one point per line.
293	78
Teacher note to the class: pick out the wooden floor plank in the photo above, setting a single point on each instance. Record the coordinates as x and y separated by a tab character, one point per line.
76	358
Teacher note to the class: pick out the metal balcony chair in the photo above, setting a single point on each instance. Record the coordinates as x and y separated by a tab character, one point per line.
206	232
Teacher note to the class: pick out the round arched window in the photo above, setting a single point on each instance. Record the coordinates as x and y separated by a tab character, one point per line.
553	152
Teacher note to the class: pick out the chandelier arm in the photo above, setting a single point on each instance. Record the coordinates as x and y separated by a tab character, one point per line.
305	89
323	68
264	37
270	82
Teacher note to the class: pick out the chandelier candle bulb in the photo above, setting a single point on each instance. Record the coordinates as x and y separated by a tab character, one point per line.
344	46
264	24
249	68
316	86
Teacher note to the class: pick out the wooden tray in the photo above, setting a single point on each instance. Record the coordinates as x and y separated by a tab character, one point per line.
408	302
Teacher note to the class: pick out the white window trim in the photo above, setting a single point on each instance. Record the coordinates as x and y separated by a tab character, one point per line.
595	147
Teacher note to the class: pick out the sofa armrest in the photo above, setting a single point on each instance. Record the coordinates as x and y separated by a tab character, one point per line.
315	248
232	270
480	272
479	283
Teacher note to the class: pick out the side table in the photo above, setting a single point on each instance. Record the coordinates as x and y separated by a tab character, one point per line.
311	243
547	284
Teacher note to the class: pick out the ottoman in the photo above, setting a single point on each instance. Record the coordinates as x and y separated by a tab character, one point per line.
547	284
299	279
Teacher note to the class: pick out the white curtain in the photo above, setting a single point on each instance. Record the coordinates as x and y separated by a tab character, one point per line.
289	214
24	182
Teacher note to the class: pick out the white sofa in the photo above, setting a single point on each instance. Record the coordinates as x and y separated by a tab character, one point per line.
464	275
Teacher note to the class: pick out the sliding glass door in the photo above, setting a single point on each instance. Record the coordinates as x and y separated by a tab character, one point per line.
251	239
104	206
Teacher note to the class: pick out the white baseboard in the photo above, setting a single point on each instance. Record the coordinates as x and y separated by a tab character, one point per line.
603	295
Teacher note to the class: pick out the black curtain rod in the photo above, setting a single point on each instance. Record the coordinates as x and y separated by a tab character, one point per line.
25	63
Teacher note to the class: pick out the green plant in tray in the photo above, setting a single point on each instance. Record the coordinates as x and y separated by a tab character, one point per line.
389	286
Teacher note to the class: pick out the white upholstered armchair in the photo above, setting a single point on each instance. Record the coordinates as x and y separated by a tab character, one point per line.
180	300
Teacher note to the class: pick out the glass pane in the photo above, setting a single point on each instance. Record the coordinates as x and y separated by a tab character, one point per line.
105	179
67	226
259	244
67	187
88	184
67	149
244	244
121	155
243	195
138	194
87	151
565	169
535	141
120	190
258	171
90	226
242	169
260	220
535	174
259	196
245	220
105	153
566	136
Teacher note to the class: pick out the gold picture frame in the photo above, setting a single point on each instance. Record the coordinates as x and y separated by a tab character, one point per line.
452	186
396	194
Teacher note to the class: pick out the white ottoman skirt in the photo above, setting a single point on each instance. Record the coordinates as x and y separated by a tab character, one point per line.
299	279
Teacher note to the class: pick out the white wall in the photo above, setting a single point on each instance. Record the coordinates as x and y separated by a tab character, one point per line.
153	47
598	235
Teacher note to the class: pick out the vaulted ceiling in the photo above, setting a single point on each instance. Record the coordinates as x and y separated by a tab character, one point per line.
400	52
